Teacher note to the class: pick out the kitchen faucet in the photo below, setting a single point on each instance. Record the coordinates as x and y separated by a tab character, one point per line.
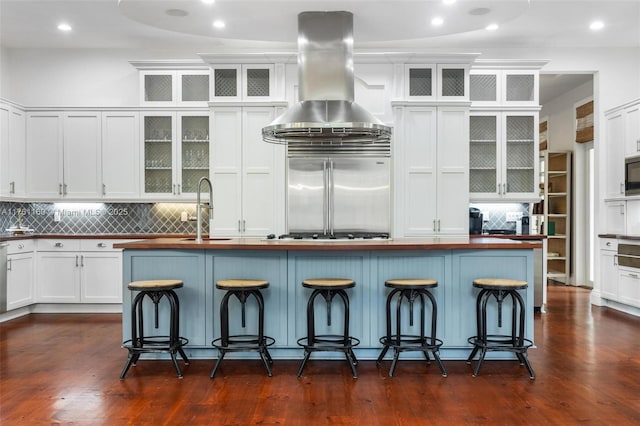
199	208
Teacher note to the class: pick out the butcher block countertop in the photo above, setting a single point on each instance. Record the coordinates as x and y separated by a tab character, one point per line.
462	243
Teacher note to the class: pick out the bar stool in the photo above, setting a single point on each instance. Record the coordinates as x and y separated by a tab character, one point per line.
411	290
500	289
139	343
328	288
242	289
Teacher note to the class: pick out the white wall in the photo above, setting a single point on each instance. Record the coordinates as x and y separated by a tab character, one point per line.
4	72
561	117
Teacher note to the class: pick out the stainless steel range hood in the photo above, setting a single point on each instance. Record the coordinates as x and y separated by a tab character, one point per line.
326	112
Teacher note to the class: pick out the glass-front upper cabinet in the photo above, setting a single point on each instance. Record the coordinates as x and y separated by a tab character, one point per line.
424	82
246	82
503	155
175	88
504	87
176	153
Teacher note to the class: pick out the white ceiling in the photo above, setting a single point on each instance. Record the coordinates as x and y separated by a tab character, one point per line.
272	25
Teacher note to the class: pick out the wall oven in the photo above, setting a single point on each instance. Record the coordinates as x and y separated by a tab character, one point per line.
632	176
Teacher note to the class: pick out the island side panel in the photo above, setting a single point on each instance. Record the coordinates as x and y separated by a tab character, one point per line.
185	265
263	265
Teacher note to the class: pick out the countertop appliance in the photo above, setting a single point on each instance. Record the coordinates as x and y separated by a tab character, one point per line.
339	190
632	176
475	221
3	277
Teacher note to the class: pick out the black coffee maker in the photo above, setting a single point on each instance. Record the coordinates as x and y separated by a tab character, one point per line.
475	221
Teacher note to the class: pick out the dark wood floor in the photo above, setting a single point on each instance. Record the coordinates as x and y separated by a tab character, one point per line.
62	369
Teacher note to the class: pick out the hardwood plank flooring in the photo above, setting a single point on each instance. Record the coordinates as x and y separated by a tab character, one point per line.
64	369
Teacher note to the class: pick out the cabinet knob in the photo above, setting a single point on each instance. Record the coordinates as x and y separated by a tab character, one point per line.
20	246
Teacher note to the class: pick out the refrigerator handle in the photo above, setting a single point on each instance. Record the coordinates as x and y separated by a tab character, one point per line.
325	207
330	187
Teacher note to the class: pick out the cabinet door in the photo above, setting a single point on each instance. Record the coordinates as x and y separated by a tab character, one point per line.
485	141
193	87
614	156
260	202
120	155
226	131
58	279
629	287
632	130
417	164
608	275
632	227
420	81
193	154
614	212
17	153
101	277
5	113
227	82
19	280
157	87
520	161
158	134
485	87
44	154
82	167
453	171
258	82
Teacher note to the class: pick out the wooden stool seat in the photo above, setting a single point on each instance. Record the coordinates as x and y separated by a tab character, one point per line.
411	282
237	284
497	283
335	283
155	285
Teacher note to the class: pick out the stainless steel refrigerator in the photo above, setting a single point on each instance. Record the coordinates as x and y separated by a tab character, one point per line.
330	194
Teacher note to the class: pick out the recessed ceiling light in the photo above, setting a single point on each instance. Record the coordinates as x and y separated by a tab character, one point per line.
478	11
176	12
596	25
448	1
64	27
437	21
219	24
491	27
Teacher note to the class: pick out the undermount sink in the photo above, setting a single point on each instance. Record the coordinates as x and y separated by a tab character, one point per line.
207	239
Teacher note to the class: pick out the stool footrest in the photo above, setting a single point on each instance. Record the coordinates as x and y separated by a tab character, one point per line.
499	342
154	344
329	342
411	342
244	343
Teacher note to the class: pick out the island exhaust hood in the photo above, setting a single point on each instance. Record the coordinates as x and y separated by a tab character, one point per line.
326	112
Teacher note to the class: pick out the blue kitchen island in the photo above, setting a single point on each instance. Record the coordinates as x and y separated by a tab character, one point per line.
453	262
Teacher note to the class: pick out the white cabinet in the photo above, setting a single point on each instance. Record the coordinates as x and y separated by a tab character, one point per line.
614	213
71	271
63	154
503	156
20	270
12	151
632	222
629	286
632	129
614	155
431	164
247	174
120	155
174	87
609	269
444	82
246	82
506	87
175	152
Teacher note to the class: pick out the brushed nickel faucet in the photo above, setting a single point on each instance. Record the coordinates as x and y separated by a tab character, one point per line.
199	208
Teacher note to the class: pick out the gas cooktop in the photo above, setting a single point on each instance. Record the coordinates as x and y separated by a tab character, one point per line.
332	237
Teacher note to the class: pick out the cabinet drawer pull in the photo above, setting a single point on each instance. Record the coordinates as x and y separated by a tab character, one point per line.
76	260
20	246
12	187
82	261
102	245
9	264
58	245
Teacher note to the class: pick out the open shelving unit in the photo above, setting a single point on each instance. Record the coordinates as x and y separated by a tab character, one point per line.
557	214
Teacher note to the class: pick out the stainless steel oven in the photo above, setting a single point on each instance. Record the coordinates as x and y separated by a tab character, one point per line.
629	256
632	176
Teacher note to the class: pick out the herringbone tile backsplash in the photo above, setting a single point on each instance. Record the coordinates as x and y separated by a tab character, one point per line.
102	218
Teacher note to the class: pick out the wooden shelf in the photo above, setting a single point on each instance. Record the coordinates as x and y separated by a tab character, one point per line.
557	214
